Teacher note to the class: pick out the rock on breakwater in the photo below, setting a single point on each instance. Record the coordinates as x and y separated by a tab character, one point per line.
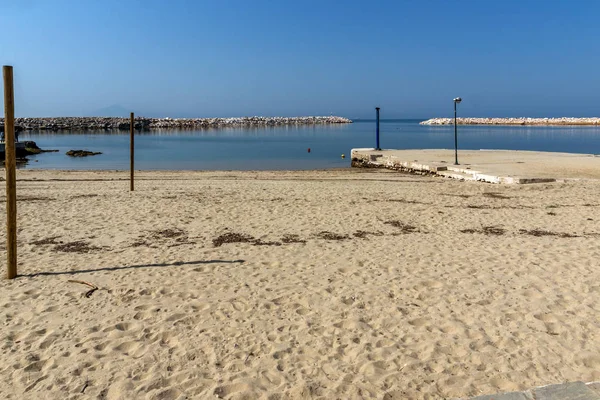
514	121
111	123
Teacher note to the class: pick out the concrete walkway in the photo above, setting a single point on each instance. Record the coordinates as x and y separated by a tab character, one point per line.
494	166
565	391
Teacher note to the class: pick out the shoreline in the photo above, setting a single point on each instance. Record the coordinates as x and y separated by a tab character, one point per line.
562	121
143	123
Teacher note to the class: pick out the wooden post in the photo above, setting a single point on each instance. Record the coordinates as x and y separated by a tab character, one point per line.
131	128
11	178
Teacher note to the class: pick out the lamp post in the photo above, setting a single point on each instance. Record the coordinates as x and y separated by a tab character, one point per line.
456	101
377	129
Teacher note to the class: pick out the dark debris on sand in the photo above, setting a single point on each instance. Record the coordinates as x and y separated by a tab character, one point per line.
168	233
49	240
289	238
541	232
231	237
363	234
495	195
486	230
404	201
178	237
79	246
141	242
259	242
29	198
464	196
404	228
331	236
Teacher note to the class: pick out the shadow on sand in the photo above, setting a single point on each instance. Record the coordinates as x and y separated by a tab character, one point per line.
174	264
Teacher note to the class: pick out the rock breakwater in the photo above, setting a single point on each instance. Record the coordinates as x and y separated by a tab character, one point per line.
112	123
513	121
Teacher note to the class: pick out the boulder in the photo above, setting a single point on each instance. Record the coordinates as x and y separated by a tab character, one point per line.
81	153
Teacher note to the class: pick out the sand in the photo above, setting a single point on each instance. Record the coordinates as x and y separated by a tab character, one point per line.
350	284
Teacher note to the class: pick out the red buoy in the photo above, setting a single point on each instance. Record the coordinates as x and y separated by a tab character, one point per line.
309	149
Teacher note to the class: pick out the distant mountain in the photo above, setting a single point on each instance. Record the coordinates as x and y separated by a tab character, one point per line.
115	110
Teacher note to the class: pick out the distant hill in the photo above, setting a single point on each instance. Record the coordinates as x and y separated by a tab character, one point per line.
115	110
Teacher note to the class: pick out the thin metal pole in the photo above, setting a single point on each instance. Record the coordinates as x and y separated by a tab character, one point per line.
455	138
11	178
131	149
377	129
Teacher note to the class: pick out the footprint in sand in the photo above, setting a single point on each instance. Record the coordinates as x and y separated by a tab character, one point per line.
39	366
432	284
48	340
128	347
50	309
226	390
270	378
239	306
176	317
198	306
374	369
418	322
545	317
101	346
170	394
124	326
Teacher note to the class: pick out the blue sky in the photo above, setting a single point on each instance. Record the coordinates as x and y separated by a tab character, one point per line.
282	57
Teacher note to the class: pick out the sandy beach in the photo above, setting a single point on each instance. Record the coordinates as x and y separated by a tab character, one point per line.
340	284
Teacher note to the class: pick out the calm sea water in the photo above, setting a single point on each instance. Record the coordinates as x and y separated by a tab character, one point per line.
286	147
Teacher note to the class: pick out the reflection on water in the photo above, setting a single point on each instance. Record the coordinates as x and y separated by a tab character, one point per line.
285	147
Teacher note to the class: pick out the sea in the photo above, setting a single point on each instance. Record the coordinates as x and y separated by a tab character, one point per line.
290	147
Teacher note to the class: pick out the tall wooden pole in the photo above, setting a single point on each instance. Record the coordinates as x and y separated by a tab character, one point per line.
131	147
11	177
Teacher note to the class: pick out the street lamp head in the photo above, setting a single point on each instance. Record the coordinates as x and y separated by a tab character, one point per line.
457	100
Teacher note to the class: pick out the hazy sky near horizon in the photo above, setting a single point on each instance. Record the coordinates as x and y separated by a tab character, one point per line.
240	57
